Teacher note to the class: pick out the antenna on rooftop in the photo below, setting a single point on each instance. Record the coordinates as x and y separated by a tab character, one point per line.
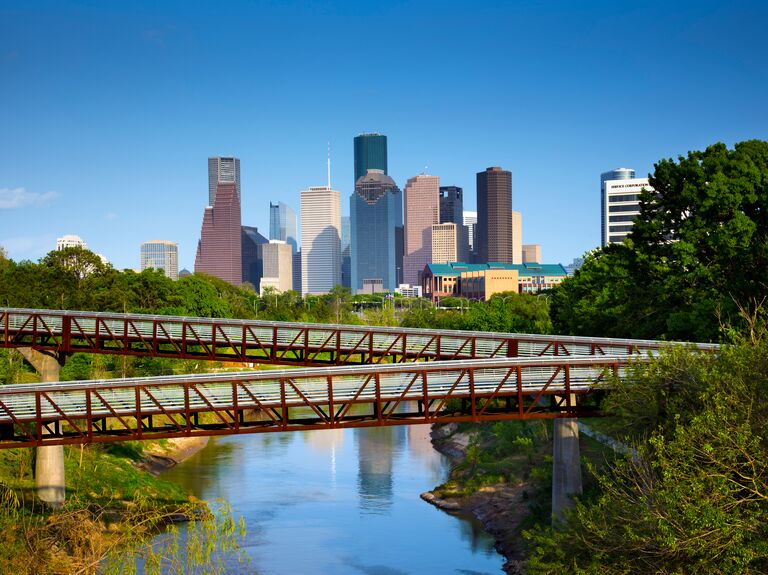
329	165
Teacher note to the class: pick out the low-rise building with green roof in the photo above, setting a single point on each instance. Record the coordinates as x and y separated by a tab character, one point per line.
481	281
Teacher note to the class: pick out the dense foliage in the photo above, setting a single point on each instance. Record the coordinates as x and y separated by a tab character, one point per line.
694	496
697	253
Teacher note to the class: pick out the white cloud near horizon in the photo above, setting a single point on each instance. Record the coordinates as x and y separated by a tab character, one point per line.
13	198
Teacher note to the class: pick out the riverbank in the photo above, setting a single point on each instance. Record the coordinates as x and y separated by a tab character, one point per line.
160	456
501	506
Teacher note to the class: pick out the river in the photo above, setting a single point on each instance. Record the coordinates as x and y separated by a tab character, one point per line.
344	502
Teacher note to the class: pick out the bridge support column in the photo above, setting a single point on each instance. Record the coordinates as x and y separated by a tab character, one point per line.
566	466
49	460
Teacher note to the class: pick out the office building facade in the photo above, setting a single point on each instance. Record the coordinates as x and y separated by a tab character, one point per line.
470	221
376	214
422	211
251	240
494	216
617	174
451	205
531	253
370	154
70	241
449	243
219	251
621	206
277	266
320	240
282	224
222	170
481	281
517	237
161	255
346	251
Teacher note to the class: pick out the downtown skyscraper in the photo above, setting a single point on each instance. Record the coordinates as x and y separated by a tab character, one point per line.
222	170
320	240
376	221
494	216
422	211
219	251
370	154
282	224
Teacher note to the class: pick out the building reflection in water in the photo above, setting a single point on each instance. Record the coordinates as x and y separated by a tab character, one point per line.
376	448
326	441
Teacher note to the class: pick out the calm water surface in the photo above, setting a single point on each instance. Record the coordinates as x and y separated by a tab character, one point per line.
342	502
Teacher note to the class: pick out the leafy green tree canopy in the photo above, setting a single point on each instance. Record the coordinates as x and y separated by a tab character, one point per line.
697	253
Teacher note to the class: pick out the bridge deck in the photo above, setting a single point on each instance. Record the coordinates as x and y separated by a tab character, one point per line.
272	400
214	339
395	376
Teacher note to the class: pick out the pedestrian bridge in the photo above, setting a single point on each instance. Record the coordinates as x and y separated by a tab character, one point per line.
392	376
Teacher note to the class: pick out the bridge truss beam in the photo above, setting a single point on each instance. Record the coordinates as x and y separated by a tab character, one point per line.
302	399
210	339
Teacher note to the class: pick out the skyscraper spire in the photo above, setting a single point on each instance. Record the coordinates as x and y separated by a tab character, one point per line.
329	165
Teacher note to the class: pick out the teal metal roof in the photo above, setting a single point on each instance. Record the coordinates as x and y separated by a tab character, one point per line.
525	269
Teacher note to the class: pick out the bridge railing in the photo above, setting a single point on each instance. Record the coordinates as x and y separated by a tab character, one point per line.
313	398
283	342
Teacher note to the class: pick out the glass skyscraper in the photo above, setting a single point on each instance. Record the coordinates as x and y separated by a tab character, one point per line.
282	224
370	154
451	205
376	220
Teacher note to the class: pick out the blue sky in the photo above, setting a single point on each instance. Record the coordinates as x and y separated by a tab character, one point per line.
108	110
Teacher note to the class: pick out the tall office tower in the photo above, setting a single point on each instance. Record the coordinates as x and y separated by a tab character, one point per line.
370	154
517	237
451	205
621	205
252	265
219	251
617	174
297	272
161	255
222	170
449	243
422	211
346	252
320	240
70	241
376	213
470	220
494	216
532	253
277	266
282	224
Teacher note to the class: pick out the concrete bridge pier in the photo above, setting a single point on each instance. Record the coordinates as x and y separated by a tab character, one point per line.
566	465
49	460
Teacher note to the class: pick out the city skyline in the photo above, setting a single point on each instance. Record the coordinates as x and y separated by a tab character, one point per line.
109	116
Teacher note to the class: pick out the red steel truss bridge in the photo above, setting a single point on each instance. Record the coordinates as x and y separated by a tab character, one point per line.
394	377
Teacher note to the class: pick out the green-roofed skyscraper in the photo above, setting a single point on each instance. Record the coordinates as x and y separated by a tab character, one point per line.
370	154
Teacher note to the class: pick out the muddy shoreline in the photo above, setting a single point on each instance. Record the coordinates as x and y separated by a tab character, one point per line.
500	508
157	458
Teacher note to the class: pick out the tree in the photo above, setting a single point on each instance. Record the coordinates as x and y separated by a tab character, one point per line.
509	312
694	496
697	252
75	261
